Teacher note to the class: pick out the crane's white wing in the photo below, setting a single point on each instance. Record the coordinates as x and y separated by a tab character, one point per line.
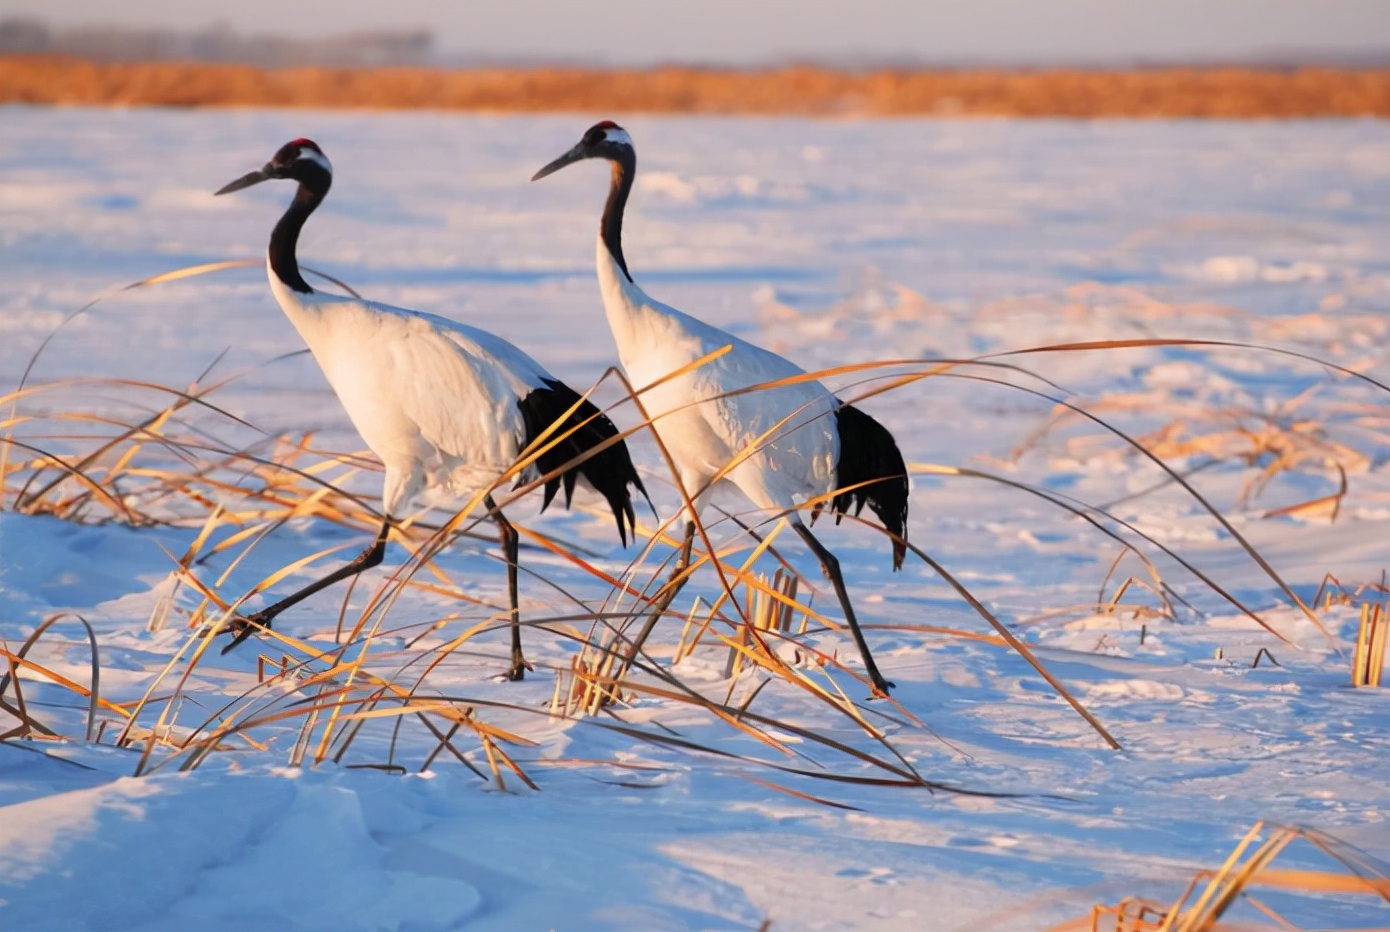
434	399
789	426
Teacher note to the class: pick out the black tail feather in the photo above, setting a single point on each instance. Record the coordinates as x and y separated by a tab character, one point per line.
610	470
869	455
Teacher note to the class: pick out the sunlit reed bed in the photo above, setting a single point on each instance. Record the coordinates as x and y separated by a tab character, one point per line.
1230	93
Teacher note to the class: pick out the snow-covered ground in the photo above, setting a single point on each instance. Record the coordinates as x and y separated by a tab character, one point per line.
835	243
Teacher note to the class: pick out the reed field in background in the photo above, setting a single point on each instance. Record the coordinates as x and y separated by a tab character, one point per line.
1210	92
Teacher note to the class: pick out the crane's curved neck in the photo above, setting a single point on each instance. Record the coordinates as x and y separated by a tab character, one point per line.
285	237
611	227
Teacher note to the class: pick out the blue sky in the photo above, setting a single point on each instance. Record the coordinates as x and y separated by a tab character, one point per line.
743	32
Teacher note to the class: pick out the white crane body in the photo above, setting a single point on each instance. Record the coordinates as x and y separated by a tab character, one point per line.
705	418
434	399
443	405
780	446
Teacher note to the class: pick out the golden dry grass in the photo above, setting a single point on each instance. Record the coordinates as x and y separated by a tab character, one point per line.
1210	895
800	90
174	462
149	454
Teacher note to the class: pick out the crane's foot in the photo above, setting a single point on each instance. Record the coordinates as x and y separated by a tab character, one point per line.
518	669
242	628
879	686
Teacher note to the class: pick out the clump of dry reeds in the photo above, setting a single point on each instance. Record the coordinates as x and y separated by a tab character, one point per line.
1211	895
179	464
145	454
1373	627
804	90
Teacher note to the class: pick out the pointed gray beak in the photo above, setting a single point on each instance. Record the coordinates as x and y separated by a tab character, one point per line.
245	181
574	155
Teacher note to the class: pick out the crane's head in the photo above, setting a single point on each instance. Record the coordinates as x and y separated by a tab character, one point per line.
606	140
300	160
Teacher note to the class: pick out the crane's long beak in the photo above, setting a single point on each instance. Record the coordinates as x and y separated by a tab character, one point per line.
574	155
245	181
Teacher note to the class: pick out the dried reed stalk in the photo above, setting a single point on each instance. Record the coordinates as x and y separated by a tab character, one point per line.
1368	659
1210	895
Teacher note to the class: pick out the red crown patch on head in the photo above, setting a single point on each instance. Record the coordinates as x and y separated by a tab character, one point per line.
307	144
606	124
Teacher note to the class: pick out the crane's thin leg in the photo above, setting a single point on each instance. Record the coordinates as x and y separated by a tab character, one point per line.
831	567
665	597
510	539
365	560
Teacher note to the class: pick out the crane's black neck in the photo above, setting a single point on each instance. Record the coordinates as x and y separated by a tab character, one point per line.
313	187
611	227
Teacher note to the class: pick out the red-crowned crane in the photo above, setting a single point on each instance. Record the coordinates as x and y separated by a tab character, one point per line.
443	405
815	445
